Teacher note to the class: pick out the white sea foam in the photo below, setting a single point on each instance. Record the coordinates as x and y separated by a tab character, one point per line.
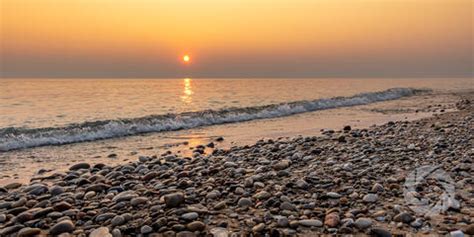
17	138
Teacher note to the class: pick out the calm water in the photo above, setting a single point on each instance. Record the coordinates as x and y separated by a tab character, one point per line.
41	103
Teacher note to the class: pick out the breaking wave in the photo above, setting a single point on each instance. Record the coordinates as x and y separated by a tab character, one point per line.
13	138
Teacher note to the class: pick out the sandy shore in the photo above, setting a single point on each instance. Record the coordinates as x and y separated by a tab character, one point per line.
400	177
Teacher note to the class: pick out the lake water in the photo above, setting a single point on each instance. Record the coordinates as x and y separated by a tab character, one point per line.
47	125
37	112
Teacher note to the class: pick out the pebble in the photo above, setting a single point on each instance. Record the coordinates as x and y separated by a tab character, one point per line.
456	233
117	220
404	217
196	226
363	223
80	166
100	232
61	227
258	228
380	232
174	199
244	202
28	231
310	223
370	198
331	220
190	216
146	229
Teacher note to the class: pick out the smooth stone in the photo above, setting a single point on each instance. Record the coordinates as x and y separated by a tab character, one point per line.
196	226
80	166
146	229
116	233
262	195
404	217
333	195
363	223
56	190
3	218
469	229
62	206
220	205
182	234
174	199
287	206
379	232
100	232
27	231
377	188
61	227
117	220
138	201
5	231
12	185
190	216
310	223
282	221
125	196
258	228
281	165
105	216
244	202
370	198
456	233
332	220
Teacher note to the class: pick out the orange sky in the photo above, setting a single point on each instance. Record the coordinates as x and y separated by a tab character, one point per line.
266	38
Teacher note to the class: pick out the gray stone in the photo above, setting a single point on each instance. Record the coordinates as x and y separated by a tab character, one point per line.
404	217
117	220
190	216
370	198
379	232
311	223
363	223
146	229
244	202
125	196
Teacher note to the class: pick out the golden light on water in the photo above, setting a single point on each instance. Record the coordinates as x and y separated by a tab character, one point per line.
187	91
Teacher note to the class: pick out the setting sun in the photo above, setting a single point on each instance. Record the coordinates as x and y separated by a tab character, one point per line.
186	58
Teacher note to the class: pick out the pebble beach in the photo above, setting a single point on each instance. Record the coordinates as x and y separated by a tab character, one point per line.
346	181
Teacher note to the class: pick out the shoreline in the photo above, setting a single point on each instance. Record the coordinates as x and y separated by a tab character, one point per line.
349	181
21	165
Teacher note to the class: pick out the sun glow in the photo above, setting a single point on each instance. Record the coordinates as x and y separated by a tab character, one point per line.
186	58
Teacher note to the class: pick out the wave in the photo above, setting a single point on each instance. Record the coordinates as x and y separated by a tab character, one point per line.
13	138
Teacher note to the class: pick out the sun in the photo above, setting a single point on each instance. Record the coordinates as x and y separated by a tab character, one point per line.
186	58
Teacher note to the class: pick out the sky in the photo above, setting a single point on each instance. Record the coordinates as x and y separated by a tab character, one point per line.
236	38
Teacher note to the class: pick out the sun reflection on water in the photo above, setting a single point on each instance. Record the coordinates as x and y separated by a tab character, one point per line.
187	91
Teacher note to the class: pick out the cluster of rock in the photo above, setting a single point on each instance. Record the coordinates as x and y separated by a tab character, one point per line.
348	181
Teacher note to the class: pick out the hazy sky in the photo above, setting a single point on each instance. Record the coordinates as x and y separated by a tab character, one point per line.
236	38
